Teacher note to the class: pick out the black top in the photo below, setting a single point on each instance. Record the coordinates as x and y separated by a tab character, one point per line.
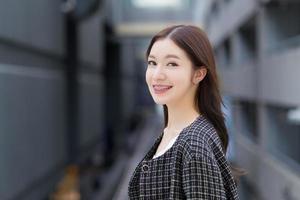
195	167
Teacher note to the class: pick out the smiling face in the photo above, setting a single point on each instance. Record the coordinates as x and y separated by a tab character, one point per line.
170	76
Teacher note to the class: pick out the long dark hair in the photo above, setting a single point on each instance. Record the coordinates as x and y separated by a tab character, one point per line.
208	99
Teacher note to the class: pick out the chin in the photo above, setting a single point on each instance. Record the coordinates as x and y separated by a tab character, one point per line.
161	101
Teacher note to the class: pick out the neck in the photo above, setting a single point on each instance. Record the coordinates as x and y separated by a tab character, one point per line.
180	116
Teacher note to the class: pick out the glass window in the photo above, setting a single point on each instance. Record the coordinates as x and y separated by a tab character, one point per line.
284	133
227	50
215	9
282	26
248	41
223	54
248	119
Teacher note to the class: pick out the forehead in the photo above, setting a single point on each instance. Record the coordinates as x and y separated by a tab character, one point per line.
164	47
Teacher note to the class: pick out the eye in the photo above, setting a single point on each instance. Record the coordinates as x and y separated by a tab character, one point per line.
150	62
172	64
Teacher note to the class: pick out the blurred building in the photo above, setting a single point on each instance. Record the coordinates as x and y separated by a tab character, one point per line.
51	92
257	46
75	112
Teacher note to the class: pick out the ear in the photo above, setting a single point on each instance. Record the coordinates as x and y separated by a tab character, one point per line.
199	74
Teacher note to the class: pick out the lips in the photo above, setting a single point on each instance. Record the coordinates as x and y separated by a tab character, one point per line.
160	89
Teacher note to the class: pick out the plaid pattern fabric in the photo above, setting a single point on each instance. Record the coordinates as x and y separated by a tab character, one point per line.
195	167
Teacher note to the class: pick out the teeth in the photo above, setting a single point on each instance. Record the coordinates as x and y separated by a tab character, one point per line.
160	87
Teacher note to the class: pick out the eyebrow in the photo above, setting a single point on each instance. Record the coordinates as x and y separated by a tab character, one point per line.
167	56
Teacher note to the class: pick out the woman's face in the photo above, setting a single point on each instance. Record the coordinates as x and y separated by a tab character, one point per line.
170	75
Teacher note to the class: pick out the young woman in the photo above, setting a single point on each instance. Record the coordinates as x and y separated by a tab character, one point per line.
187	161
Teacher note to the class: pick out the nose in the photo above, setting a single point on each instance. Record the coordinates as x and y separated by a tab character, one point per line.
159	73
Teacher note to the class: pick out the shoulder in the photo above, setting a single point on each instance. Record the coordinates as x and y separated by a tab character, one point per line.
200	139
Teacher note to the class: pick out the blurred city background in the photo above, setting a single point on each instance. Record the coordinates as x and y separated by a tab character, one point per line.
75	113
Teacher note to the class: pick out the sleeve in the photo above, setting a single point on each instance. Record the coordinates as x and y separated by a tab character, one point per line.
202	179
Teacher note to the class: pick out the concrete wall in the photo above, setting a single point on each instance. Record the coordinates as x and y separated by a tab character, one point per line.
258	53
33	97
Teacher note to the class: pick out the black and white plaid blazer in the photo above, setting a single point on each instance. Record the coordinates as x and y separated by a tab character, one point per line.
195	167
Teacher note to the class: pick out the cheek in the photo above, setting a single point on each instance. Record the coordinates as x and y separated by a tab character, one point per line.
182	78
148	77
